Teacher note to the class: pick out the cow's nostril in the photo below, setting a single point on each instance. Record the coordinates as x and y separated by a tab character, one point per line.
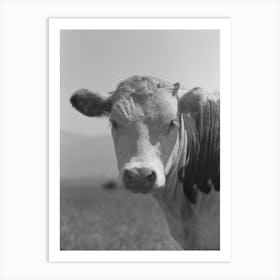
139	178
151	177
128	176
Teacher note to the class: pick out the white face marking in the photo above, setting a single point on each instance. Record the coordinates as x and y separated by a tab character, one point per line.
145	130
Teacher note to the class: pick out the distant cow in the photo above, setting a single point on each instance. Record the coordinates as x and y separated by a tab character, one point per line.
167	144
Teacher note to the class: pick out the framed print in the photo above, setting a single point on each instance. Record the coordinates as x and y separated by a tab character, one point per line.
162	87
64	214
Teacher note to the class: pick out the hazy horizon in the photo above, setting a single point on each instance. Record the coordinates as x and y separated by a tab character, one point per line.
85	135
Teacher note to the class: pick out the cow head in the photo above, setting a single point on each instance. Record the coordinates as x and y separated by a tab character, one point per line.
145	116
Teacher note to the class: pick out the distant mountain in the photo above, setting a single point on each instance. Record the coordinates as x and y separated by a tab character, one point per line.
83	156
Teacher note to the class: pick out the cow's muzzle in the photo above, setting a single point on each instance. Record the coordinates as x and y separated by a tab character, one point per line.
139	180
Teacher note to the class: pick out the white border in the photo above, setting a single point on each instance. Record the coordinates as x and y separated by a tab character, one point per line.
55	25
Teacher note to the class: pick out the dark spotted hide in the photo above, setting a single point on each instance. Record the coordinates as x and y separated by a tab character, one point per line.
203	151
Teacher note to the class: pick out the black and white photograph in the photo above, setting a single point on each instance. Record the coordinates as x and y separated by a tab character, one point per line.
140	167
140	140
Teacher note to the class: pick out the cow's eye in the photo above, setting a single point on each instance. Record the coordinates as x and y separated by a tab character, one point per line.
114	124
172	124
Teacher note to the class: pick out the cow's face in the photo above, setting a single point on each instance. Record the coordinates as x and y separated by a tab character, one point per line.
145	122
145	128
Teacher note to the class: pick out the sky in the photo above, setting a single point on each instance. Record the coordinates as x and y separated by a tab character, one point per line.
99	60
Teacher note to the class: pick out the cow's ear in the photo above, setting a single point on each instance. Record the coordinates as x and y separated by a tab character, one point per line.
91	104
192	101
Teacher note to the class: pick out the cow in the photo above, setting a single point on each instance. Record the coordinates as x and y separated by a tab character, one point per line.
167	144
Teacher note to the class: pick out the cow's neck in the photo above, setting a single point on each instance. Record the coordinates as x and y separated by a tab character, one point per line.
193	225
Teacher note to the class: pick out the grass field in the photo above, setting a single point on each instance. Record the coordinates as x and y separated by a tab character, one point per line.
93	218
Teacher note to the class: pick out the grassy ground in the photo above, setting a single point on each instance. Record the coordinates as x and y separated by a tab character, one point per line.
93	218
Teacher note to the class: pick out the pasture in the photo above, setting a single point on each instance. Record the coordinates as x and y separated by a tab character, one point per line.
96	218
